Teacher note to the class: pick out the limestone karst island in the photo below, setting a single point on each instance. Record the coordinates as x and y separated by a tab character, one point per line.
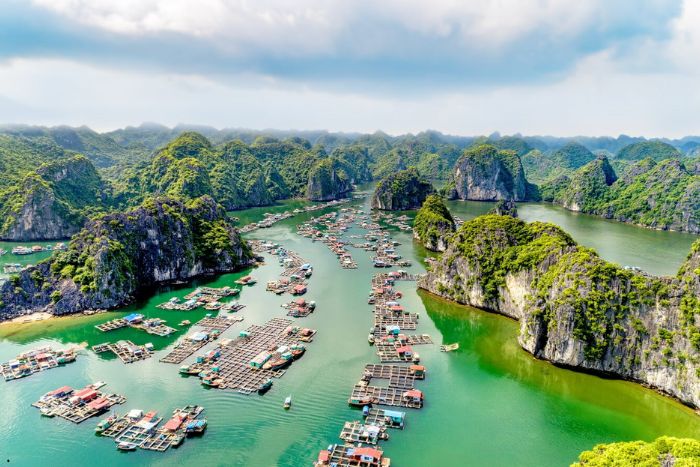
350	234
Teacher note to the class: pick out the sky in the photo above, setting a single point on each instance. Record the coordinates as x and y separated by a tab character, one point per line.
464	67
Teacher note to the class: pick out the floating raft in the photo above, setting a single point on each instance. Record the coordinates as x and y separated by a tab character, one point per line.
112	325
387	418
144	431
219	324
77	406
127	351
449	347
34	361
232	369
358	432
350	455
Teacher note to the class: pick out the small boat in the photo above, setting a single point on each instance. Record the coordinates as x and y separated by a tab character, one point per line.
264	387
449	347
288	402
46	412
196	426
126	446
106	423
98	385
185	322
370	339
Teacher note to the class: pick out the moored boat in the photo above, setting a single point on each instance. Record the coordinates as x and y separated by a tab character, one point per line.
264	387
126	446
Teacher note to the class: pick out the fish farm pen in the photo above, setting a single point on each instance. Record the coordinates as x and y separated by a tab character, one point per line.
127	351
77	406
36	360
259	353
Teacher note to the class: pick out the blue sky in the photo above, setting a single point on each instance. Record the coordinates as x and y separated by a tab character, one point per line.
462	67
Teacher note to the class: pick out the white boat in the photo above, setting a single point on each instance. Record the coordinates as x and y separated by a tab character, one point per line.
126	446
288	402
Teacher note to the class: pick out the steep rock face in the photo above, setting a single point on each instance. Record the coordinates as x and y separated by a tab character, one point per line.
588	185
574	308
484	173
662	195
328	181
505	208
433	224
51	202
402	190
117	256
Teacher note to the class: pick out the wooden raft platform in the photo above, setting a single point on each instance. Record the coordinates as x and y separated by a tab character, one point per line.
233	363
358	432
219	323
36	360
378	417
112	325
392	397
344	456
127	351
63	407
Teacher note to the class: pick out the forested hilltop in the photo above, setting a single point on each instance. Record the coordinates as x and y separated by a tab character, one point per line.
56	178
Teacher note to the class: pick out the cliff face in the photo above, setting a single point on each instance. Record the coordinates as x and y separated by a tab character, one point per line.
662	195
587	186
51	202
117	256
402	190
574	308
433	223
484	173
328	181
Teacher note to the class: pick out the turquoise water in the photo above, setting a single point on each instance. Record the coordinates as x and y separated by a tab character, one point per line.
490	403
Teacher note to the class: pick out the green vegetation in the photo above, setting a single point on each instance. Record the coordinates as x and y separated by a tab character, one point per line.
55	199
664	451
541	167
402	190
663	195
656	150
433	222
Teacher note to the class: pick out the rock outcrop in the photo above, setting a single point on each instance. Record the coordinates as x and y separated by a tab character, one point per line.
505	208
574	308
116	257
484	173
661	195
328	181
587	186
433	224
400	191
52	202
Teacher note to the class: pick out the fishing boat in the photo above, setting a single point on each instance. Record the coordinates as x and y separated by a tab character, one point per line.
106	423
297	351
188	370
196	426
288	402
449	347
264	387
126	446
276	363
370	339
185	322
212	381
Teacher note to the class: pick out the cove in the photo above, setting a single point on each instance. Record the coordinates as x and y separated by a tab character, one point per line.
490	403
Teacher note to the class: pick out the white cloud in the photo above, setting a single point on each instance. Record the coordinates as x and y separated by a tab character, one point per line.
317	25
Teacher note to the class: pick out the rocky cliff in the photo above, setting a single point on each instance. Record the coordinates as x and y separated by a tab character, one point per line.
433	224
484	173
661	195
587	186
574	308
52	202
405	189
118	256
328	181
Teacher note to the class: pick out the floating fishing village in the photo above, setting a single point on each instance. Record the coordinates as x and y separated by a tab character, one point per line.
252	359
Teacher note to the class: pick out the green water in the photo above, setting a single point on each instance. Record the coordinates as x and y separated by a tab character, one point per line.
24	260
490	403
